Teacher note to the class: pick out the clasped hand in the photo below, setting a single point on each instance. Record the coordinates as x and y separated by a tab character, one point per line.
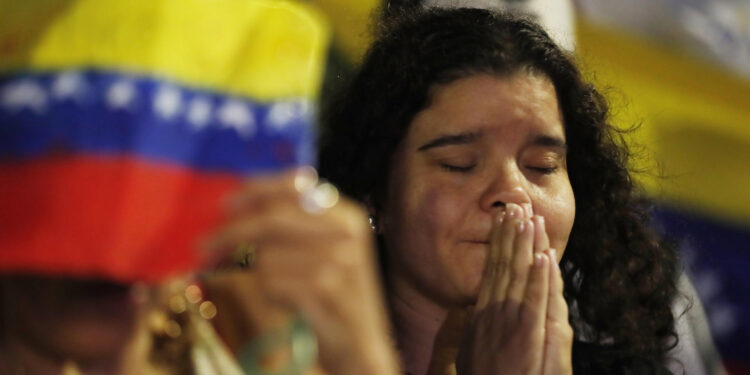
520	322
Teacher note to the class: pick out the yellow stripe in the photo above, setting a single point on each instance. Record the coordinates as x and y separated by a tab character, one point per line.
264	49
351	22
695	120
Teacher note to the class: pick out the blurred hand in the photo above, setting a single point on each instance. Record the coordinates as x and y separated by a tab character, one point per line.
315	261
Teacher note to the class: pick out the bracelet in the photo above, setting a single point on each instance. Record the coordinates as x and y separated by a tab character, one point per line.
297	336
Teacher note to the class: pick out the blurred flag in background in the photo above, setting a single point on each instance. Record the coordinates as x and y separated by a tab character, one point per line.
681	69
124	123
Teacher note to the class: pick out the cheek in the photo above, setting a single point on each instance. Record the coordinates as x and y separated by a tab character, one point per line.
431	218
421	229
559	214
440	211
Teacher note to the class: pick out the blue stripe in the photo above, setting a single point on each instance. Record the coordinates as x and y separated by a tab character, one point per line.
107	113
717	256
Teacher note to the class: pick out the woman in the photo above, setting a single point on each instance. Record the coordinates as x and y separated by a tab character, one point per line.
485	159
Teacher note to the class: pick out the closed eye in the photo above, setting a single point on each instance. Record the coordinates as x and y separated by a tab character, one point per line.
544	170
457	168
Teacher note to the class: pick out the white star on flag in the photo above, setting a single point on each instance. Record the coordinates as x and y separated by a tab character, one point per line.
199	112
237	115
283	114
120	94
26	93
167	102
69	84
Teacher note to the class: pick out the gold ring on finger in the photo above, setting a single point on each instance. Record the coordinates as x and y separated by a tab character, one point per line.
244	256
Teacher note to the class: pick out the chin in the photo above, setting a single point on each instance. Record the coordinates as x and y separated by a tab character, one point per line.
469	277
465	290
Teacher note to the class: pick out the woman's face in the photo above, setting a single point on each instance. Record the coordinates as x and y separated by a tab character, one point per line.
83	320
483	142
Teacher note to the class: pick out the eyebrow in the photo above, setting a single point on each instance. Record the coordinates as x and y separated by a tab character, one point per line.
470	137
451	139
550	141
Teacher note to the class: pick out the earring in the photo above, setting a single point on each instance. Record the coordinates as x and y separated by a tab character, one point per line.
372	223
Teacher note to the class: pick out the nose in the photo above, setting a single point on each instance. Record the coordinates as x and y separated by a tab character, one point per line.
507	186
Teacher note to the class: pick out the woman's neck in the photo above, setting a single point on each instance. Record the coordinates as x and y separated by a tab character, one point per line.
416	321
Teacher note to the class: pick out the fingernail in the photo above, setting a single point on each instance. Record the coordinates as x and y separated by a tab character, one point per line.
528	210
305	178
513	210
525	225
538	259
540	222
553	255
501	217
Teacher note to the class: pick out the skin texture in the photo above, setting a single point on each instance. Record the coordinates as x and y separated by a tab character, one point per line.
320	265
483	145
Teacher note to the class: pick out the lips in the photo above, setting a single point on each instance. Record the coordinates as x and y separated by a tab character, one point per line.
482	237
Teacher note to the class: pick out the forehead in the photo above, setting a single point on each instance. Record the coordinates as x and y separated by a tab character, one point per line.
523	102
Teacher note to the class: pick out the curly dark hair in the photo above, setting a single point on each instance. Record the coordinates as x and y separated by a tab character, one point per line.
620	278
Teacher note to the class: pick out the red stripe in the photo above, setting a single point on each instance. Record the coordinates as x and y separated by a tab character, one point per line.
112	217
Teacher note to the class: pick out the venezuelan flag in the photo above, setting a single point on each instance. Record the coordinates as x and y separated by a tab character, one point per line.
124	123
694	119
